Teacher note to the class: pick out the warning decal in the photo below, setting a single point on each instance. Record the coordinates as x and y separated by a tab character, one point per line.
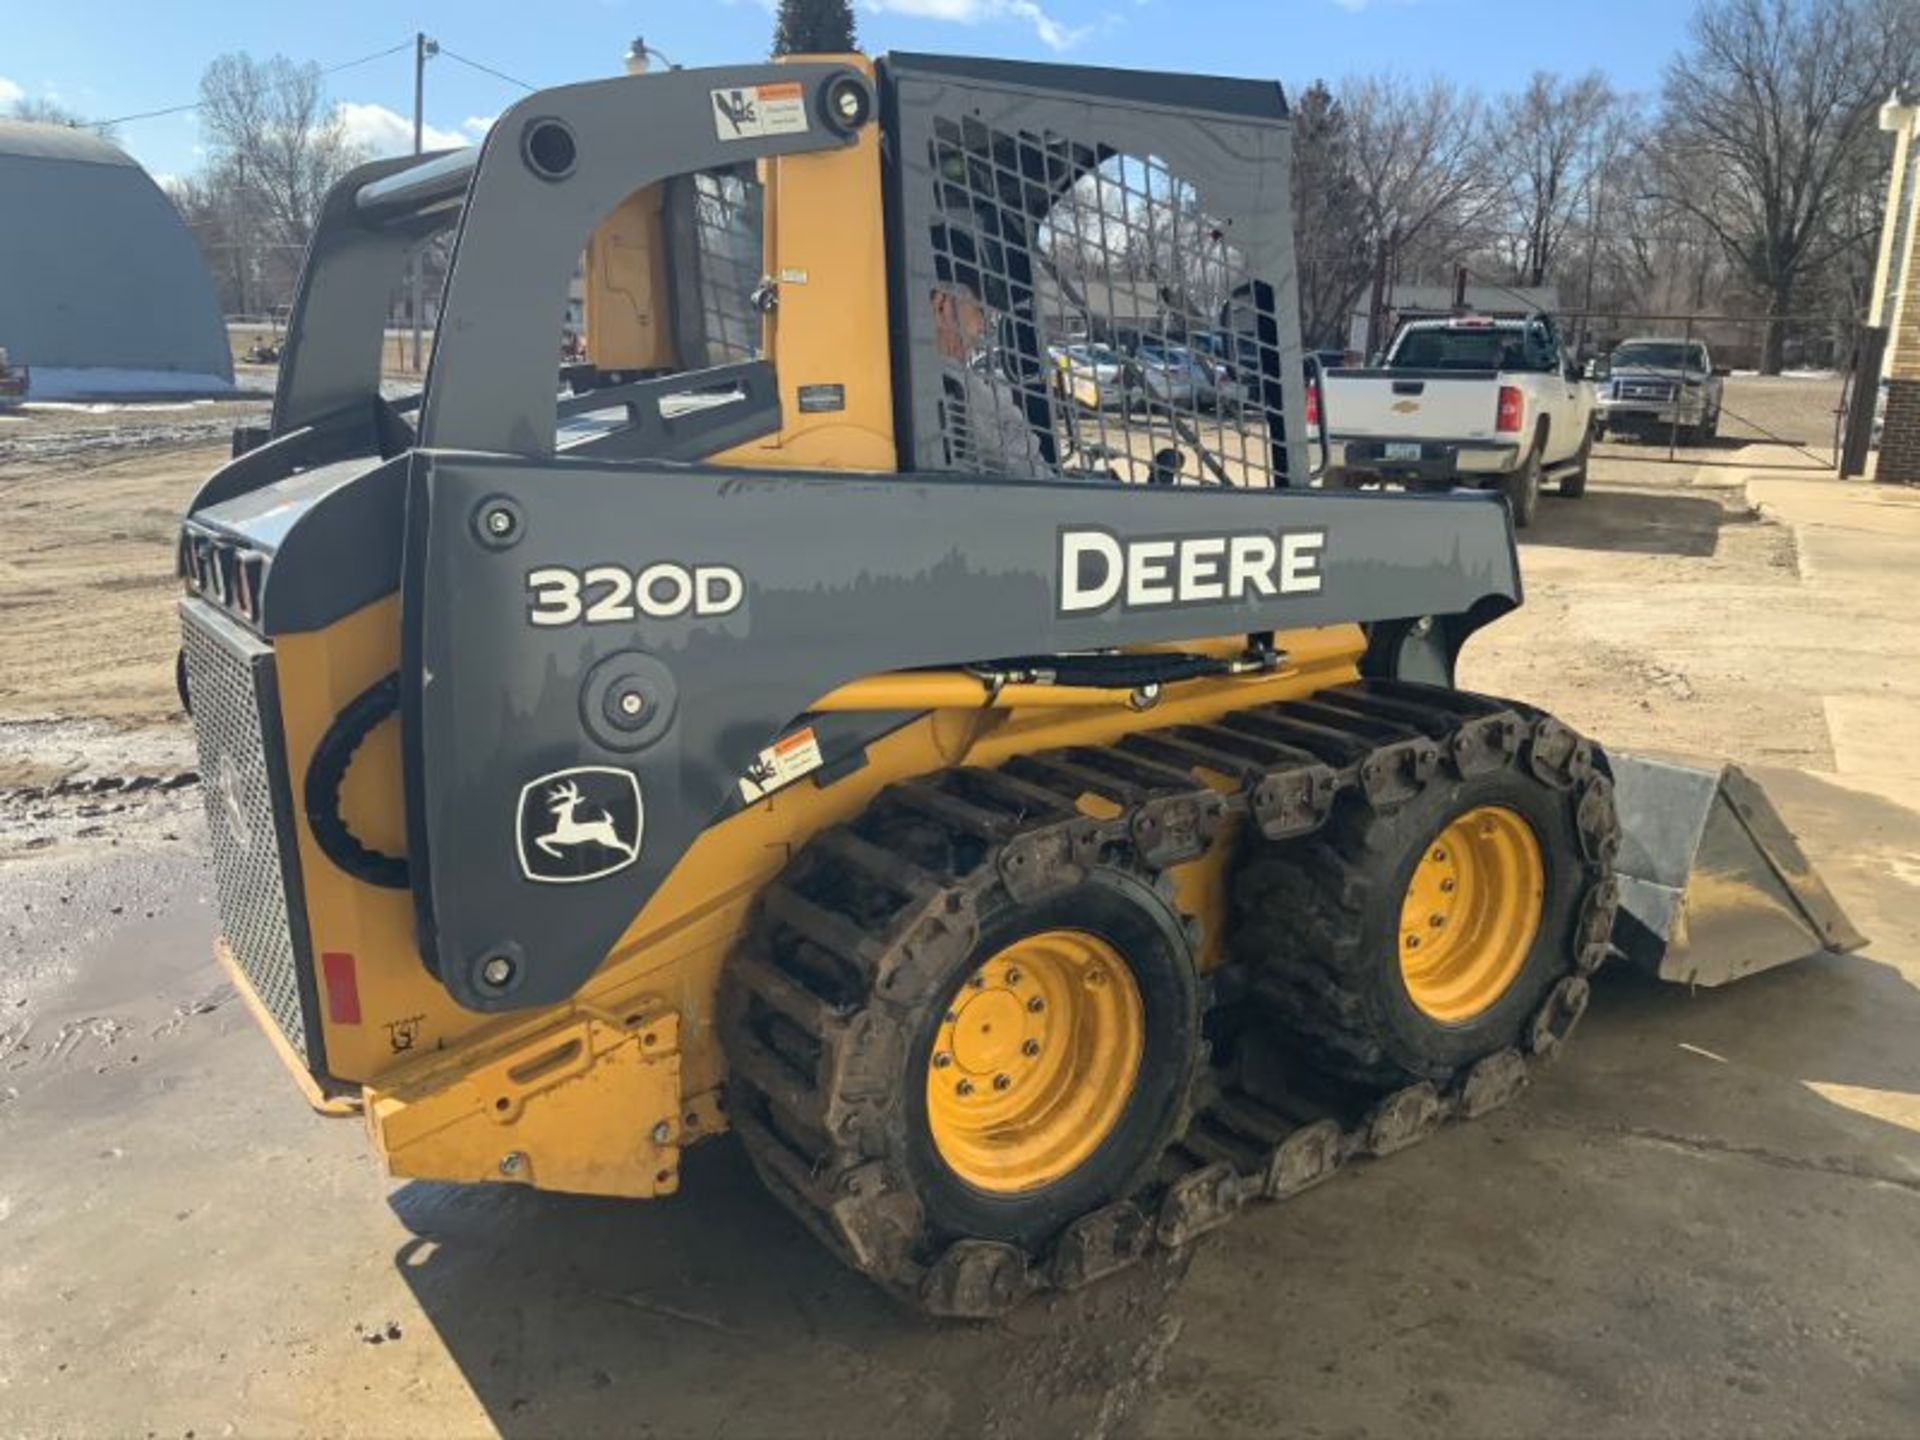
755	110
780	764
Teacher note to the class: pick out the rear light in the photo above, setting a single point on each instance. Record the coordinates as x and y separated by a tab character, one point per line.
1313	404
1512	408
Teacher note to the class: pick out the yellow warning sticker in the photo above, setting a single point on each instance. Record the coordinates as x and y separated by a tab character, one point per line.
749	111
780	764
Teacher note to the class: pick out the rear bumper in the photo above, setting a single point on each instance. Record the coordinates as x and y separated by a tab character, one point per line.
1438	460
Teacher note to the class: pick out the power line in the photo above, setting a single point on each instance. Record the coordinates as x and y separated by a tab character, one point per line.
486	69
199	104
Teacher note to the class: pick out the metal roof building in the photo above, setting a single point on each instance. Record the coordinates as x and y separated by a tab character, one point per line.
102	290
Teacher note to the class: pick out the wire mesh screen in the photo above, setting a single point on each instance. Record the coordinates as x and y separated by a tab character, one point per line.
717	266
1091	315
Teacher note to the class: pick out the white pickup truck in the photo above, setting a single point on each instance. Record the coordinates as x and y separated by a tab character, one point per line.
1471	400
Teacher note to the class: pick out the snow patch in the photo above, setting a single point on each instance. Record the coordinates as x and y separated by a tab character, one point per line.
48	383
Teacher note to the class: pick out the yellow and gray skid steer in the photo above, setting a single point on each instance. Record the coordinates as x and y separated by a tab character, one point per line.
900	699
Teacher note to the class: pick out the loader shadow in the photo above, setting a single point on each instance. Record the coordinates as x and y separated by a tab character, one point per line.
1641	521
715	1311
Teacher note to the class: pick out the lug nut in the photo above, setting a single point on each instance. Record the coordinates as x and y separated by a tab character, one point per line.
1413	942
1001	1082
1036	1004
1013	975
1439	854
978	982
1438	922
963	1089
942	1060
1030	1048
1096	978
1446	887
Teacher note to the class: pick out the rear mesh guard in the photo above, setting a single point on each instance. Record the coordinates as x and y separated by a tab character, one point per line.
232	683
1713	886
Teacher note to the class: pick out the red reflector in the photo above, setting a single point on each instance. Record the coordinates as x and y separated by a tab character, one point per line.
1512	407
1313	403
343	988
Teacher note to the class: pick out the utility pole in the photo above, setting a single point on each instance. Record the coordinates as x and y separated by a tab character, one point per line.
423	49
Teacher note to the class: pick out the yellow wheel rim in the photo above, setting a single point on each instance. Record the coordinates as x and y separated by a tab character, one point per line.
1034	1061
1471	912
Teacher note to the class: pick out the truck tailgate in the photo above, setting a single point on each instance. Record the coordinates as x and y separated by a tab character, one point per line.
1411	404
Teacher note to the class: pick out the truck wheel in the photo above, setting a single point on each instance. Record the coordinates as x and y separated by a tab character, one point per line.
1522	489
1406	943
1711	430
1573	484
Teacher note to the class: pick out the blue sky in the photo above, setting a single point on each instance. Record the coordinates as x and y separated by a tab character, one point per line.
116	57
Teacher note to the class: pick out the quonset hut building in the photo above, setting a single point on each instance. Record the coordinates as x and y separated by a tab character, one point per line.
103	293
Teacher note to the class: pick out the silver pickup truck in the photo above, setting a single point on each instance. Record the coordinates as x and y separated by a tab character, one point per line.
1656	384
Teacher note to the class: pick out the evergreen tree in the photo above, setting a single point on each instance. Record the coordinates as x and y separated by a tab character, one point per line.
813	27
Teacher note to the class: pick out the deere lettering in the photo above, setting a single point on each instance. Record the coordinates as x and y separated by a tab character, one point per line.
1099	571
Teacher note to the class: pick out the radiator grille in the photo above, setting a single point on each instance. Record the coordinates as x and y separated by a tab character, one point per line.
230	679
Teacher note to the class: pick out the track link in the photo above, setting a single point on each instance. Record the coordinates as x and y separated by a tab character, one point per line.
818	1004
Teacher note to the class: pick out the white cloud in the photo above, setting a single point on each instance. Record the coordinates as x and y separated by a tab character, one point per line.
1053	33
380	131
11	91
478	125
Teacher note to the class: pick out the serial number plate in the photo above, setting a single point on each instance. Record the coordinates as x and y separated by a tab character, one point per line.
1402	450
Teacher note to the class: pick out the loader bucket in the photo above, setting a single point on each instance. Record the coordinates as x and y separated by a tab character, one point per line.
1713	886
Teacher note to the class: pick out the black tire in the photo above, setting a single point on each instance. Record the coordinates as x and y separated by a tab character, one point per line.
1710	431
829	1010
1522	489
1573	484
1138	922
1317	920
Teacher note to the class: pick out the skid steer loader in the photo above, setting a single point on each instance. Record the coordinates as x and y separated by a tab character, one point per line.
1035	827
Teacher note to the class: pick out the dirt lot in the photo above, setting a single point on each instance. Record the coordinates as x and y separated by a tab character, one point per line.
1706	1220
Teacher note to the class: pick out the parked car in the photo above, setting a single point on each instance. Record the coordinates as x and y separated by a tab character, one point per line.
1662	383
1094	375
13	380
1470	400
1173	377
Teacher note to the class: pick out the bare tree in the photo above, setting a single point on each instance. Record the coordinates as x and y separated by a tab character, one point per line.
1767	115
1328	214
42	111
1546	146
1419	159
275	148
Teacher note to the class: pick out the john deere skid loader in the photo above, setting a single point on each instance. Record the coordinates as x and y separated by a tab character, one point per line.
903	702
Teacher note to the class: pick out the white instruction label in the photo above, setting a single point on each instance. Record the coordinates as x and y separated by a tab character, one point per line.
780	764
754	110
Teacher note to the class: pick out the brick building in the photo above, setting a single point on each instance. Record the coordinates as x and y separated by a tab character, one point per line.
1896	295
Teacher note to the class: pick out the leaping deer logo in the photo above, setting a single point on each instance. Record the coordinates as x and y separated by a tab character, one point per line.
569	832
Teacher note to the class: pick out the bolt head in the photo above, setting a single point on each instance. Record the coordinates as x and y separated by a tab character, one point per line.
1030	1048
662	1133
847	102
1413	942
942	1060
511	1162
1036	1004
964	1088
1446	887
1438	922
632	703
497	971
499	522
1439	854
1002	1082
978	982
1013	975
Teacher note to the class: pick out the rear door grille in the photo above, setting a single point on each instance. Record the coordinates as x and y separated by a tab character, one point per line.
232	684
